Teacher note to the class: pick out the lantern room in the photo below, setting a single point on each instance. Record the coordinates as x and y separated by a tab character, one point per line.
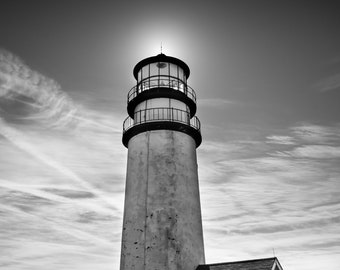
161	99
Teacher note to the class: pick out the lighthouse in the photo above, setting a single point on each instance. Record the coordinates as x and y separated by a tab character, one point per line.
162	223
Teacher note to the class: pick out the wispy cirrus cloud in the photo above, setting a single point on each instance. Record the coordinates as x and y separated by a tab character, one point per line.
27	94
276	139
314	151
281	190
38	195
21	142
214	102
62	172
311	133
330	83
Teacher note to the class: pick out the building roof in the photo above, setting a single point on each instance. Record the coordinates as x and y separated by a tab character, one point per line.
258	264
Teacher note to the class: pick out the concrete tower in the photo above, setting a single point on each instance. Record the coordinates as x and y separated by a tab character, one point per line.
162	227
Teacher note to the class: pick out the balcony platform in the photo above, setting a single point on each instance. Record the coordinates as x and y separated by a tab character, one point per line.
161	88
162	119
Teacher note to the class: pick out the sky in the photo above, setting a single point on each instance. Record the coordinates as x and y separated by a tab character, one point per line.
267	79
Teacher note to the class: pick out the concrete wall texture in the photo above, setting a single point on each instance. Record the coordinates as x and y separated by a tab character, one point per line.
162	226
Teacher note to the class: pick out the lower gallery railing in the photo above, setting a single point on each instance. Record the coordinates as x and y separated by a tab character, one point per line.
161	115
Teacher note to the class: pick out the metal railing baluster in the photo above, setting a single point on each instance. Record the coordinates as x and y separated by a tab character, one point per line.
161	114
170	82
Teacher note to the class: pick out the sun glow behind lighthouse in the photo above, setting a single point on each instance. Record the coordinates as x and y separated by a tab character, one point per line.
164	37
159	44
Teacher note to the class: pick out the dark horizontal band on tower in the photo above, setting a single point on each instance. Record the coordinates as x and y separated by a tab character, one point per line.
162	125
161	88
162	119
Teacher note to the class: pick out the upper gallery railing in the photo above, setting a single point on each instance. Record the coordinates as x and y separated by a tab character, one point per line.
161	82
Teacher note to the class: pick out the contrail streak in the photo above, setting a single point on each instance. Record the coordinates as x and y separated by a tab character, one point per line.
18	140
67	229
53	197
92	122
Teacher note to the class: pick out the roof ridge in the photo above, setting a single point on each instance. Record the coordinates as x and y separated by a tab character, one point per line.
243	261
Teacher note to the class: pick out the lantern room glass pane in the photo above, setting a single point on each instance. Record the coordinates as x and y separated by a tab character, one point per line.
163	68
180	74
153	69
139	76
145	71
173	70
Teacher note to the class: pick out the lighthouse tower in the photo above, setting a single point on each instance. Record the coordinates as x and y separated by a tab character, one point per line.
162	226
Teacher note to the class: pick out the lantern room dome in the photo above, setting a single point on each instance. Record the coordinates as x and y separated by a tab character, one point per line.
161	58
